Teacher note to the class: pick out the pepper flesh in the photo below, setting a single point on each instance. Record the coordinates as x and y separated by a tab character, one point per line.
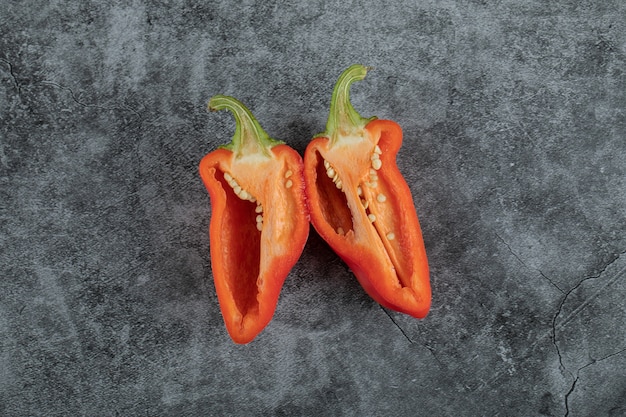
361	205
259	221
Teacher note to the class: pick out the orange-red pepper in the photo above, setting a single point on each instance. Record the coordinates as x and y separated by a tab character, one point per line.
361	205
259	221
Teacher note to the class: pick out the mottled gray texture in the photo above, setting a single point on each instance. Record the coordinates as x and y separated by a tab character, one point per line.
514	115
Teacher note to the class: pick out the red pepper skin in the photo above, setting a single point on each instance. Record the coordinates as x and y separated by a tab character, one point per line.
250	265
364	209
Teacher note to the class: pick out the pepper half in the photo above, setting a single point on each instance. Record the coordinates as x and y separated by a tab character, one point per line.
259	221
361	205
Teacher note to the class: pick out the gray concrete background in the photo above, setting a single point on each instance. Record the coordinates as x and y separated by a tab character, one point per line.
514	115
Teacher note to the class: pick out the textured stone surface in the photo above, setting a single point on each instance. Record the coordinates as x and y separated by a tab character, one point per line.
515	150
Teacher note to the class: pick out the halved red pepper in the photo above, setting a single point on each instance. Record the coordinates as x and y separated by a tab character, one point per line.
259	220
361	205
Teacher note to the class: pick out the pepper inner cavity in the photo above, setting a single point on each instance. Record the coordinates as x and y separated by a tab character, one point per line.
241	241
333	201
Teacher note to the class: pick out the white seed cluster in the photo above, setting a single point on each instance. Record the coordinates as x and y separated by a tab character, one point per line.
332	174
245	195
239	192
288	183
375	158
259	218
376	164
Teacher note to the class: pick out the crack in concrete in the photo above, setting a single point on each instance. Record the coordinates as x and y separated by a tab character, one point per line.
572	315
575	381
18	85
397	325
429	348
586	302
551	332
19	88
87	105
554	328
521	261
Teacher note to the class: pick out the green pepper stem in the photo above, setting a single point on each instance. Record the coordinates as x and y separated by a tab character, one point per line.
343	119
249	137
